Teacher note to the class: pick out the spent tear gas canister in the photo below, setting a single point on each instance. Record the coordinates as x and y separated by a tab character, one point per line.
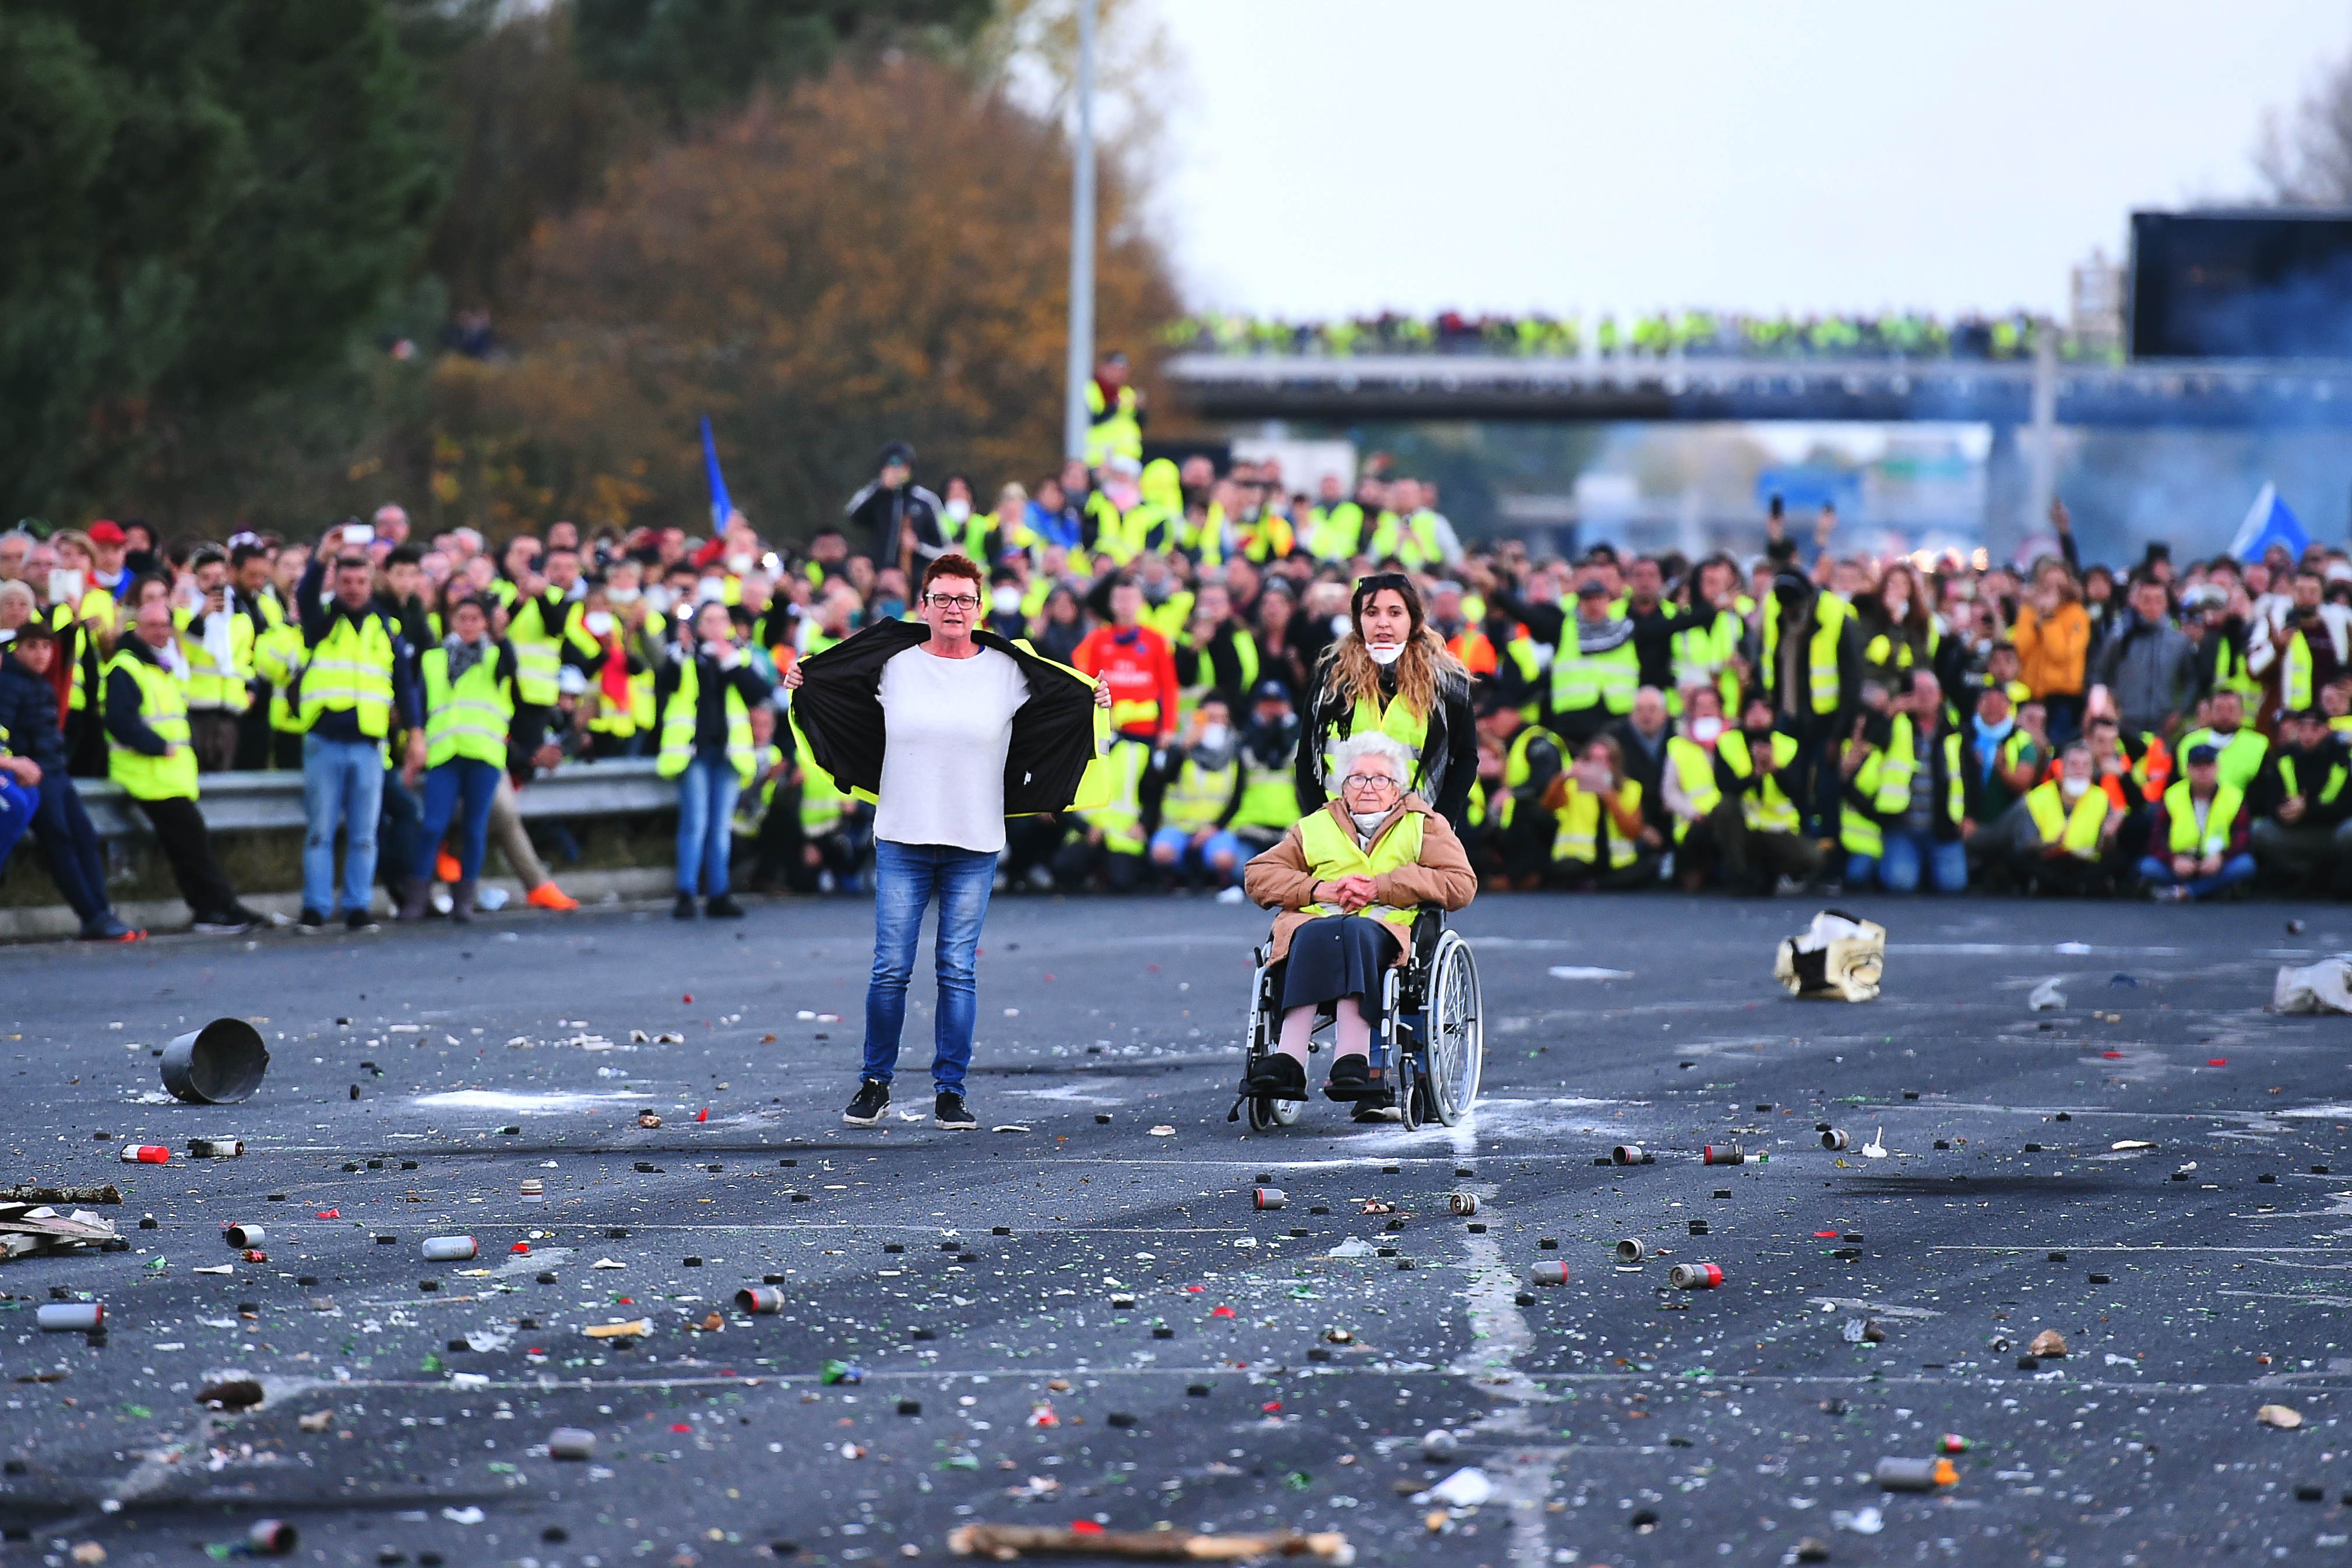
1626	1155
220	1149
243	1236
1463	1203
1268	1197
1631	1251
1725	1155
1546	1273
1913	1475
1834	1140
271	1537
146	1155
73	1317
1694	1276
449	1249
758	1299
572	1443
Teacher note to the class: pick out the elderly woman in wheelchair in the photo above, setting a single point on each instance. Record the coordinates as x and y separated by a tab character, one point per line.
1348	879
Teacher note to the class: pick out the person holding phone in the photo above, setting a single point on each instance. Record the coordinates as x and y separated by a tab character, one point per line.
218	644
704	695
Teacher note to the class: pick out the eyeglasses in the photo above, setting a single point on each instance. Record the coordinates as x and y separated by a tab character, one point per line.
1366	780
952	600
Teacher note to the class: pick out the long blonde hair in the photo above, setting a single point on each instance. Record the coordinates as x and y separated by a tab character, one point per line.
1350	674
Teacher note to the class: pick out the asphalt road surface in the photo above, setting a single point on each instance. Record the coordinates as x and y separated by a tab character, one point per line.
1075	1314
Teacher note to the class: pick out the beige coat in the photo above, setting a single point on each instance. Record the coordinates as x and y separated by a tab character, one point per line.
1280	879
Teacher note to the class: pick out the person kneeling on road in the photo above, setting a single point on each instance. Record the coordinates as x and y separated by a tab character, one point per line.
1347	878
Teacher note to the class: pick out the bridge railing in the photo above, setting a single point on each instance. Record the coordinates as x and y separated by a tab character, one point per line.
243	802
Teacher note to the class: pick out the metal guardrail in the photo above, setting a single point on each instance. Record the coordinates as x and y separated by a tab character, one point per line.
243	802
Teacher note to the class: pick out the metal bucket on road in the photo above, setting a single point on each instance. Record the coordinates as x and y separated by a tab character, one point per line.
218	1064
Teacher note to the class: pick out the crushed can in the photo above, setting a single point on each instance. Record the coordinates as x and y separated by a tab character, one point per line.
572	1443
1723	1154
241	1237
272	1538
449	1249
1953	1443
756	1300
1268	1197
218	1149
1462	1203
1628	1155
1546	1273
1913	1475
73	1317
1694	1276
1631	1251
1836	1139
146	1155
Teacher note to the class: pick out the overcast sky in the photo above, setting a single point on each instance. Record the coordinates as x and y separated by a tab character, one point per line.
1351	155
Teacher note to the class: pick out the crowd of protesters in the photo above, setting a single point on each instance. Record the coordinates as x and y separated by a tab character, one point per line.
1806	720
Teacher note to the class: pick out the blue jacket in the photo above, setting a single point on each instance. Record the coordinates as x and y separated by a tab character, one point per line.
28	712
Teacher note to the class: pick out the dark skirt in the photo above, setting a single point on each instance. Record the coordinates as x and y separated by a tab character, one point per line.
1336	956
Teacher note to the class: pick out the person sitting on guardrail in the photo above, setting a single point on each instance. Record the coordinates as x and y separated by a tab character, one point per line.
469	702
28	729
147	723
1375	851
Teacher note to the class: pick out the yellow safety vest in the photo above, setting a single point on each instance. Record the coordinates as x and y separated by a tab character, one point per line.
1581	683
1581	824
2295	676
165	707
1398	721
539	648
1820	655
1705	649
1332	853
1517	769
2241	754
1411	542
1769	810
1269	796
821	797
1197	797
678	728
351	669
1695	766
207	688
278	655
1120	817
2220	814
469	719
1884	780
1112	428
2074	830
2328	791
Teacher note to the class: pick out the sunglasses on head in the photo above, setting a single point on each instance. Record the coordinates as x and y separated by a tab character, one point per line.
1381	580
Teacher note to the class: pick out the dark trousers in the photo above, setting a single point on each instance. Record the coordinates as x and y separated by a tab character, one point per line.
399	835
1585	876
69	844
1756	860
188	845
1820	784
286	749
212	736
1031	842
253	731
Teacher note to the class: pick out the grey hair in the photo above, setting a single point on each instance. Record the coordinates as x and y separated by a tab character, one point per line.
1345	755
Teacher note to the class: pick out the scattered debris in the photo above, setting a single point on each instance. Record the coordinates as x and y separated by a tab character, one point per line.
24	1192
316	1421
1875	1149
1913	1475
572	1443
636	1328
2048	1342
1695	1277
1465	1488
2047	997
27	1229
1005	1542
230	1394
2322	988
219	1064
2286	1417
72	1317
647	1119
1839	956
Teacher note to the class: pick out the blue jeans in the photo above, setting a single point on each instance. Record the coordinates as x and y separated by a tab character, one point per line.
705	806
342	784
476	783
396	829
17	805
1173	847
77	864
906	879
2157	871
1902	859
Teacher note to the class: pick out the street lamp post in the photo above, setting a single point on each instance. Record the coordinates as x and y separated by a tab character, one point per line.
1075	421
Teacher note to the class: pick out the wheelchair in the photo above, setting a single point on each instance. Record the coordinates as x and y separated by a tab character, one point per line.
1429	1052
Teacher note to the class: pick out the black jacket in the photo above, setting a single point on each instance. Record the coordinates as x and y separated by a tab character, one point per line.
838	708
880	513
28	716
1449	755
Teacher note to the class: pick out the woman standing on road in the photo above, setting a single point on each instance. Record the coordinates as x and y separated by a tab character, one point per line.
1392	676
950	728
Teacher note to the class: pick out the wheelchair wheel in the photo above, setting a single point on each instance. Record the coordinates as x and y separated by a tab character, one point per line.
1455	1036
1408	1091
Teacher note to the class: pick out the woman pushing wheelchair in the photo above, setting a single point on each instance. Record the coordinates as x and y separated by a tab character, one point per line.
1349	879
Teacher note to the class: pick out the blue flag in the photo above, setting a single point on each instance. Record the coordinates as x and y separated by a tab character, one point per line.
721	508
2268	522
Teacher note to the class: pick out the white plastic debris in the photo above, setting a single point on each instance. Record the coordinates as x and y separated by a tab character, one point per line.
1229	895
2047	997
2322	988
1874	1150
1838	957
1588	972
1465	1488
1354	1247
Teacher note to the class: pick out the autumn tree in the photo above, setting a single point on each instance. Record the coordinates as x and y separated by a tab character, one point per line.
883	255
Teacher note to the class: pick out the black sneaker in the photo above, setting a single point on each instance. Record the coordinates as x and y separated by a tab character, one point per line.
868	1106
949	1111
684	908
723	907
1351	1079
1277	1077
311	921
234	921
358	921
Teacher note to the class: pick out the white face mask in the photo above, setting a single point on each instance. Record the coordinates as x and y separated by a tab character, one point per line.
1341	626
1704	730
1214	736
657	598
1384	657
958	511
741	562
622	595
598	621
1367	821
2074	789
1006	600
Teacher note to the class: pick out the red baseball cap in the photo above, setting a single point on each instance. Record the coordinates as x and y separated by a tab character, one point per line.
103	532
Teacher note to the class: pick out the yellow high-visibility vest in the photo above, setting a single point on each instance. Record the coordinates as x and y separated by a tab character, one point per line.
1332	853
470	718
165	708
678	728
351	669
